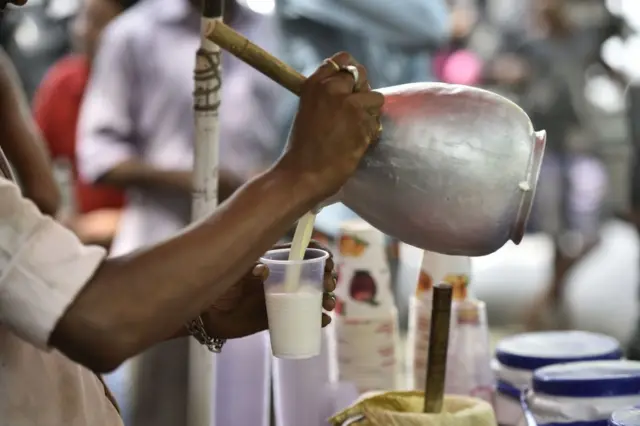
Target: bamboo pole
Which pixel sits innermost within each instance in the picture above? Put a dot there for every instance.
(438, 345)
(207, 81)
(255, 56)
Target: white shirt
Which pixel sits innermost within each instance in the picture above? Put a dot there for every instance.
(43, 266)
(125, 115)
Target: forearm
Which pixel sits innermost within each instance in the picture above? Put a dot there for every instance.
(21, 143)
(228, 184)
(152, 293)
(136, 173)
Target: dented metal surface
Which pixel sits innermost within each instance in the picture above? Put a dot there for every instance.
(455, 170)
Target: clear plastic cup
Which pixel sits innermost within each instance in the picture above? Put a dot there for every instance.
(295, 317)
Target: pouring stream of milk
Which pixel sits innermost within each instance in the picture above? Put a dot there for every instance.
(301, 239)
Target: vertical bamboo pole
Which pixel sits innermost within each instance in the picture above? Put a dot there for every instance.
(438, 347)
(207, 80)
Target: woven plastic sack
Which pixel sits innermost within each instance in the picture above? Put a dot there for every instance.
(405, 409)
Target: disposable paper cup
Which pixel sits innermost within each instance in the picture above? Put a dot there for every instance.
(295, 318)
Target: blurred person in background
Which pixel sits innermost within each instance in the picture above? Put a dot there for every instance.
(22, 144)
(544, 73)
(455, 62)
(396, 43)
(35, 37)
(95, 209)
(136, 133)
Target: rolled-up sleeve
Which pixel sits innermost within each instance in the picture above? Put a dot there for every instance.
(43, 267)
(106, 127)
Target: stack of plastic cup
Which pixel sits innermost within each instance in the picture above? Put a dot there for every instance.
(409, 261)
(364, 282)
(366, 352)
(435, 268)
(469, 356)
(298, 343)
(469, 360)
(244, 371)
(366, 323)
(299, 389)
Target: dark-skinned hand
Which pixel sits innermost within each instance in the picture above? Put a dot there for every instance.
(242, 311)
(337, 119)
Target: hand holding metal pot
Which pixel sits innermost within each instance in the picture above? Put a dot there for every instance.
(337, 119)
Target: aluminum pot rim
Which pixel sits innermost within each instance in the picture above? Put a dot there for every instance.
(528, 195)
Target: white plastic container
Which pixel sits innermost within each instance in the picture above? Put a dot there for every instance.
(625, 417)
(582, 393)
(518, 356)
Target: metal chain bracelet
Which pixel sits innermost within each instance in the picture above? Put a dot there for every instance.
(197, 330)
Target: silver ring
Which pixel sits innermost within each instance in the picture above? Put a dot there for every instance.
(331, 62)
(353, 70)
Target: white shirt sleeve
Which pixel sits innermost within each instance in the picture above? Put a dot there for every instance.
(106, 126)
(43, 267)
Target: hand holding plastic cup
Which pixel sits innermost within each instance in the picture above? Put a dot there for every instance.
(295, 312)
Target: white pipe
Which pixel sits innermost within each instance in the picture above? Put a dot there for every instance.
(207, 81)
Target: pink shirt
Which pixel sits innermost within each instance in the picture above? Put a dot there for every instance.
(43, 266)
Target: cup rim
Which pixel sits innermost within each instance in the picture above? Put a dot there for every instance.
(323, 257)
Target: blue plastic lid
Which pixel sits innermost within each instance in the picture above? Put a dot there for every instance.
(590, 379)
(530, 351)
(625, 417)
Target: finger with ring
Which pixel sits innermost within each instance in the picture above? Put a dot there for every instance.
(333, 63)
(353, 70)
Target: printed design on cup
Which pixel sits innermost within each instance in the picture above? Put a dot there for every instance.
(320, 237)
(387, 351)
(388, 363)
(340, 307)
(467, 313)
(425, 284)
(363, 288)
(485, 393)
(352, 246)
(393, 250)
(459, 282)
(385, 329)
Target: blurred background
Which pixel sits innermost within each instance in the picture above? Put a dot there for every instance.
(572, 65)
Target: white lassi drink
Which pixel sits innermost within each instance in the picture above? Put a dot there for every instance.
(295, 320)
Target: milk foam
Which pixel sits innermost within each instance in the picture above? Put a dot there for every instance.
(295, 321)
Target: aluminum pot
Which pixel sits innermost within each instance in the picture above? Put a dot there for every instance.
(454, 172)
